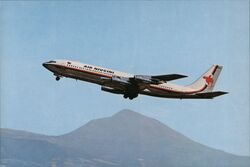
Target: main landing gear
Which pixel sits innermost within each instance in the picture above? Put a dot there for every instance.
(130, 96)
(131, 92)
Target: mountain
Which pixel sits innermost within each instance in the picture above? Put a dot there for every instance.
(127, 139)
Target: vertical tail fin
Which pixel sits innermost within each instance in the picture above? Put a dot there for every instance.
(209, 79)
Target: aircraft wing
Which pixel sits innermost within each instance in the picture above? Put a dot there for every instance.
(168, 77)
(154, 79)
(119, 85)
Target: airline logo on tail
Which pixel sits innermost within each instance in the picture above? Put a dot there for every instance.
(209, 80)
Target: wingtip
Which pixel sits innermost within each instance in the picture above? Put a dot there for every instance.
(184, 76)
(222, 93)
(181, 76)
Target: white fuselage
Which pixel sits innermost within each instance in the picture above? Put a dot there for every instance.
(95, 74)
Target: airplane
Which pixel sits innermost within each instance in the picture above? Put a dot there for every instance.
(130, 85)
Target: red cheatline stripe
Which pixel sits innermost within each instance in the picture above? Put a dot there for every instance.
(90, 72)
(176, 91)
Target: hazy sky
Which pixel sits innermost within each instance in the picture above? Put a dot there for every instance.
(137, 37)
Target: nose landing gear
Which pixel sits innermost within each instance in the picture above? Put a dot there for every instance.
(57, 78)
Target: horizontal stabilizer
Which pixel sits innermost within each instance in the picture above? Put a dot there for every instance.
(168, 77)
(210, 95)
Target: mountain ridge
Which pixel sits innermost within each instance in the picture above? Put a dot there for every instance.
(127, 138)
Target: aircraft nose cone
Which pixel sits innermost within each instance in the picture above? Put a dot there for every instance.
(45, 65)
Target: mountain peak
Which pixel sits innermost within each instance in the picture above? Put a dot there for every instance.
(126, 113)
(127, 138)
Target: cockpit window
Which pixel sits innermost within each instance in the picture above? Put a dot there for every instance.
(69, 62)
(52, 61)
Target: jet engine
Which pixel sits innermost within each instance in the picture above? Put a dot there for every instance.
(117, 79)
(111, 90)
